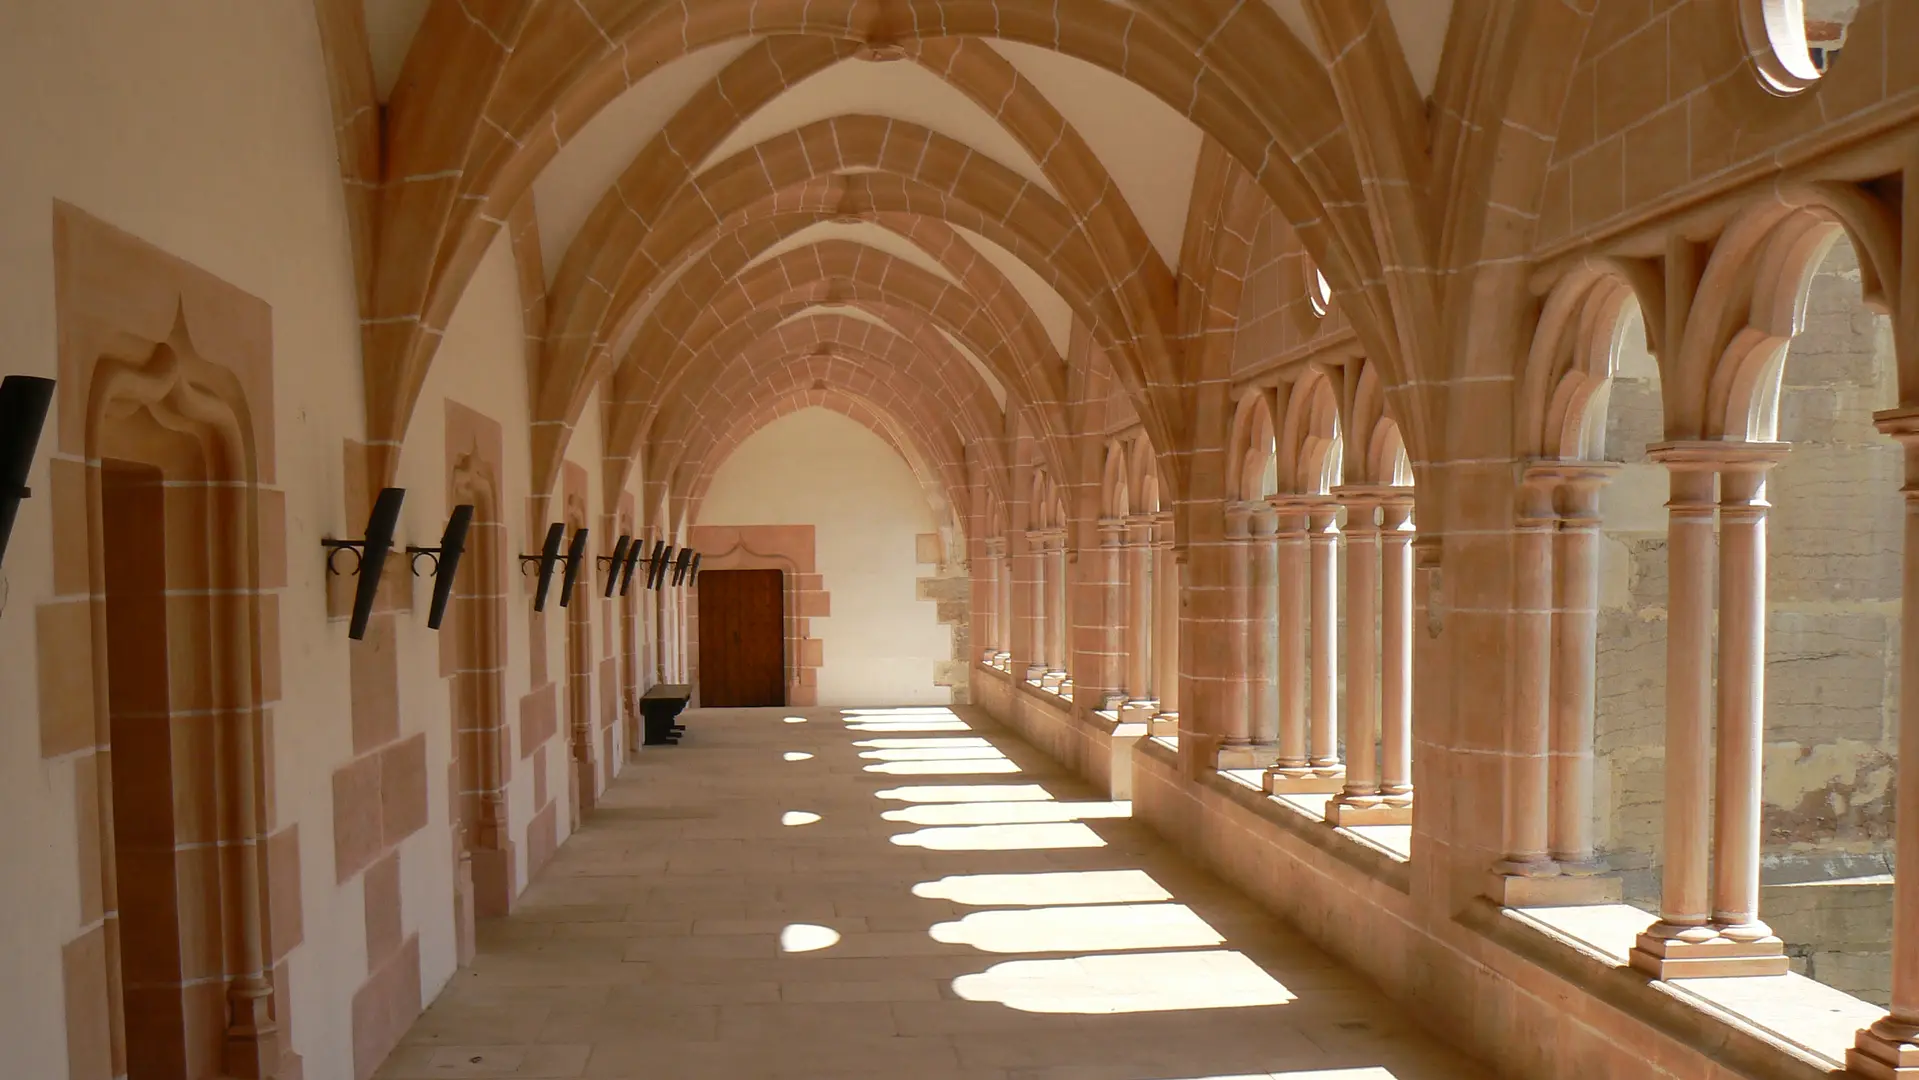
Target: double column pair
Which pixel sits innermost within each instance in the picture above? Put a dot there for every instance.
(1710, 926)
(1049, 605)
(1138, 555)
(1374, 786)
(999, 589)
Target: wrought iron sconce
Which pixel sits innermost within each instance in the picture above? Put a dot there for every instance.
(632, 560)
(693, 572)
(446, 561)
(550, 558)
(24, 401)
(680, 566)
(656, 573)
(614, 563)
(371, 553)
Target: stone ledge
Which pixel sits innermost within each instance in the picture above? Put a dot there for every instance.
(1362, 856)
(1805, 1034)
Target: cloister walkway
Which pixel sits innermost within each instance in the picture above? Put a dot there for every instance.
(913, 894)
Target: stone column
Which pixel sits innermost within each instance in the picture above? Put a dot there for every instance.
(1031, 648)
(1575, 662)
(1165, 625)
(994, 565)
(1742, 702)
(1358, 802)
(1233, 726)
(1004, 601)
(1262, 633)
(1689, 940)
(1115, 629)
(1523, 820)
(1890, 1047)
(1396, 654)
(1322, 534)
(1294, 597)
(1139, 617)
(1056, 606)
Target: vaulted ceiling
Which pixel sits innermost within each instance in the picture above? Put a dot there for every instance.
(937, 226)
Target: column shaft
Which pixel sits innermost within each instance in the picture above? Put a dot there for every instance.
(1139, 616)
(1528, 731)
(1166, 617)
(1232, 726)
(1362, 654)
(1742, 701)
(1262, 631)
(1396, 656)
(1574, 670)
(1323, 536)
(1056, 606)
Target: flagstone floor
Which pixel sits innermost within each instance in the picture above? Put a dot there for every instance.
(912, 894)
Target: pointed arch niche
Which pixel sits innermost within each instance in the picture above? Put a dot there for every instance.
(159, 657)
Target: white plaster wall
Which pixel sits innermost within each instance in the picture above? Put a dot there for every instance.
(816, 467)
(481, 365)
(128, 110)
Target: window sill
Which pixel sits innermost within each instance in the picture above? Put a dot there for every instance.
(1753, 1019)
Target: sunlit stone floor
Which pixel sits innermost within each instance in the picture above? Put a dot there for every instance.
(891, 894)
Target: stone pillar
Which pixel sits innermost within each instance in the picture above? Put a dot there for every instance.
(1575, 663)
(1689, 940)
(994, 568)
(1165, 625)
(1294, 597)
(1523, 820)
(1139, 616)
(1322, 752)
(1233, 723)
(1003, 640)
(1396, 654)
(1029, 648)
(1742, 702)
(1358, 802)
(1890, 1047)
(1056, 606)
(1262, 633)
(1114, 630)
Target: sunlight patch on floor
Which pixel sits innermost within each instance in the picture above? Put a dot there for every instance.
(798, 755)
(903, 710)
(795, 719)
(1127, 983)
(958, 793)
(964, 767)
(1035, 890)
(798, 817)
(805, 937)
(1040, 837)
(954, 724)
(1110, 928)
(1007, 813)
(934, 753)
(910, 744)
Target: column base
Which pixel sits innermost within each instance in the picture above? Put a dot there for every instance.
(1164, 726)
(493, 871)
(1247, 755)
(1035, 673)
(1050, 680)
(1138, 712)
(1665, 957)
(1300, 781)
(1877, 1057)
(1370, 812)
(1552, 890)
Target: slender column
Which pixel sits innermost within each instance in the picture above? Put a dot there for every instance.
(1742, 697)
(1890, 1047)
(1293, 598)
(1262, 631)
(1576, 640)
(1166, 620)
(1233, 726)
(1524, 810)
(1115, 629)
(1139, 612)
(1056, 604)
(1004, 601)
(1322, 530)
(1034, 642)
(1396, 654)
(1689, 938)
(1358, 803)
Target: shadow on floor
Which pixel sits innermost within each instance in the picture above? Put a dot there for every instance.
(909, 893)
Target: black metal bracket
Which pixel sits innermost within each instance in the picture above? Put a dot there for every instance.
(414, 554)
(357, 547)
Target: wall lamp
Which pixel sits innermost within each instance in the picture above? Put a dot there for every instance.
(446, 561)
(656, 573)
(550, 558)
(371, 553)
(24, 401)
(615, 563)
(681, 565)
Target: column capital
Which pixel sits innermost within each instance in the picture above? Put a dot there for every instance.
(1576, 487)
(1239, 518)
(995, 547)
(1112, 531)
(1717, 455)
(1901, 424)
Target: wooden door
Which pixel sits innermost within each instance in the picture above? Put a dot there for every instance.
(742, 638)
